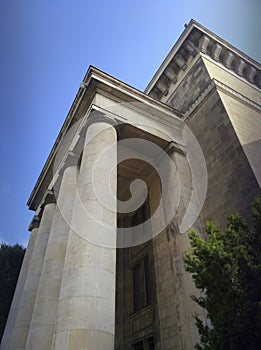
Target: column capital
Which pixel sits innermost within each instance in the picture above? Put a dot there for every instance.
(99, 117)
(119, 129)
(173, 146)
(49, 198)
(96, 116)
(72, 159)
(35, 223)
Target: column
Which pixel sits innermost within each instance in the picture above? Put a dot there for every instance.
(45, 309)
(178, 242)
(86, 311)
(20, 285)
(26, 306)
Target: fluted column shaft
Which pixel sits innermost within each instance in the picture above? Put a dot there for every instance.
(86, 313)
(45, 310)
(26, 305)
(20, 285)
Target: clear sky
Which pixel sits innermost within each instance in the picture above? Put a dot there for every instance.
(45, 50)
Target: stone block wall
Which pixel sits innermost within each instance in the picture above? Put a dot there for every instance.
(190, 88)
(232, 185)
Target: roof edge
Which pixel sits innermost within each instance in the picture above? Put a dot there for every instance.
(86, 86)
(197, 39)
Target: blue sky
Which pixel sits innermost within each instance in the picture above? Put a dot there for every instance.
(45, 50)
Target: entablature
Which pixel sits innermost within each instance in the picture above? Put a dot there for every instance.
(103, 93)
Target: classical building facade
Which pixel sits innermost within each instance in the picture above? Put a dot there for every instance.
(129, 174)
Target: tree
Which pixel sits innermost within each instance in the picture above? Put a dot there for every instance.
(227, 270)
(11, 258)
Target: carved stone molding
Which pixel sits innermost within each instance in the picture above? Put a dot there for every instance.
(99, 117)
(231, 59)
(35, 223)
(49, 198)
(171, 147)
(119, 129)
(162, 87)
(200, 41)
(171, 75)
(216, 51)
(216, 83)
(72, 159)
(175, 147)
(200, 98)
(190, 47)
(251, 74)
(237, 94)
(228, 59)
(204, 43)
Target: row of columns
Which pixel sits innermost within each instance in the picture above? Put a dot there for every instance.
(9, 328)
(65, 295)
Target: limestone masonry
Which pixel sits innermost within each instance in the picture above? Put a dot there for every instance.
(129, 174)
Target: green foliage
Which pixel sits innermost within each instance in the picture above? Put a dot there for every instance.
(11, 258)
(227, 271)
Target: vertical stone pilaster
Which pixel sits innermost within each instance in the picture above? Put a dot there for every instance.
(184, 333)
(24, 314)
(20, 285)
(45, 310)
(167, 317)
(86, 310)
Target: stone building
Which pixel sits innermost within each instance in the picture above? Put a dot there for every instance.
(104, 264)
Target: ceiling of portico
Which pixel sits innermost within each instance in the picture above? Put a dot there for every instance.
(126, 131)
(139, 163)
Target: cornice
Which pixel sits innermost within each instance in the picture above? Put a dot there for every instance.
(197, 40)
(218, 85)
(102, 78)
(225, 88)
